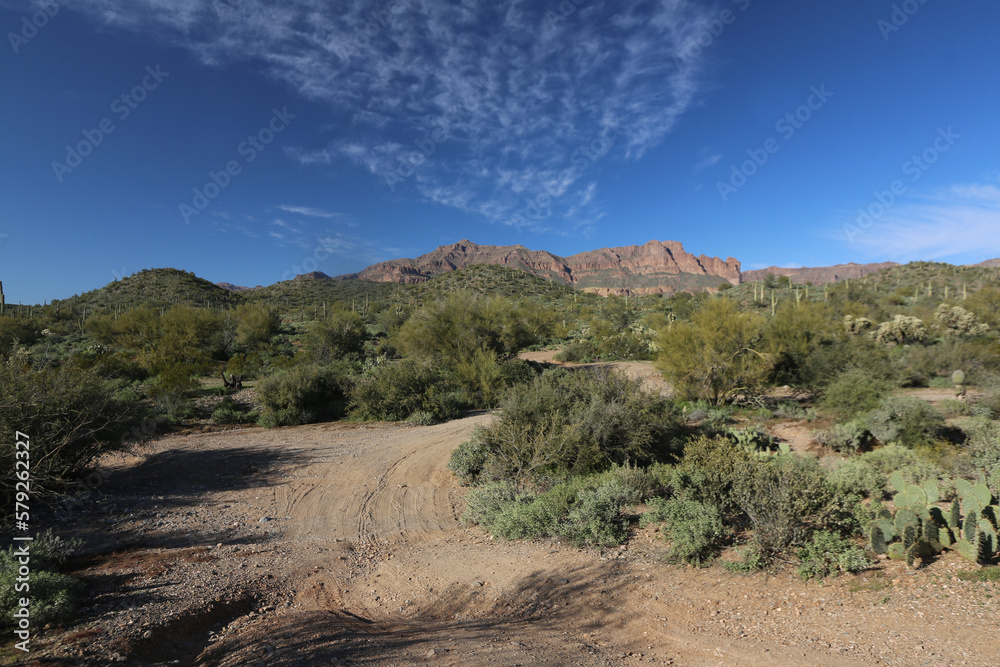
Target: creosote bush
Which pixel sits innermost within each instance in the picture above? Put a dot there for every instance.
(397, 390)
(570, 422)
(71, 415)
(303, 395)
(854, 392)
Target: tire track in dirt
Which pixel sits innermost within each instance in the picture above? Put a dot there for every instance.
(363, 486)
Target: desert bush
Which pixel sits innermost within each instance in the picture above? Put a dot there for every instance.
(784, 497)
(850, 437)
(228, 412)
(858, 477)
(485, 503)
(695, 529)
(454, 329)
(595, 519)
(577, 352)
(396, 390)
(984, 452)
(708, 472)
(303, 395)
(833, 358)
(904, 420)
(716, 355)
(15, 328)
(978, 359)
(484, 377)
(71, 415)
(110, 365)
(854, 392)
(828, 554)
(584, 510)
(256, 326)
(338, 336)
(793, 335)
(54, 596)
(576, 422)
(468, 459)
(913, 467)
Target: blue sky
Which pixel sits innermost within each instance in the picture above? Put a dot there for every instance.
(248, 141)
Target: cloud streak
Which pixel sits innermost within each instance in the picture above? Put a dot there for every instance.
(960, 220)
(514, 92)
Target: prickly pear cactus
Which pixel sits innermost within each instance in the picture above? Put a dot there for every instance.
(909, 535)
(966, 550)
(896, 551)
(954, 515)
(877, 540)
(983, 495)
(984, 549)
(931, 491)
(969, 526)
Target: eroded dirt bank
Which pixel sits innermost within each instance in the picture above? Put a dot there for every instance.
(341, 544)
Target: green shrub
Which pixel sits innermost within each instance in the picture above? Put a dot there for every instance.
(595, 518)
(71, 415)
(783, 497)
(228, 412)
(914, 468)
(338, 336)
(577, 422)
(850, 437)
(452, 330)
(483, 377)
(708, 472)
(584, 510)
(54, 596)
(854, 392)
(827, 554)
(716, 355)
(396, 390)
(469, 458)
(834, 358)
(695, 529)
(485, 503)
(577, 352)
(984, 452)
(858, 477)
(907, 421)
(303, 395)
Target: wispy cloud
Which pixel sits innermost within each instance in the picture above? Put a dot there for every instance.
(707, 161)
(514, 93)
(960, 220)
(308, 211)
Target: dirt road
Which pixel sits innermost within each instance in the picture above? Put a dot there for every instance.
(341, 544)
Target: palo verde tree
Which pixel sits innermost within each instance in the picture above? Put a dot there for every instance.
(716, 355)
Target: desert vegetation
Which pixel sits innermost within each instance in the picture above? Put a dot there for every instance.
(580, 453)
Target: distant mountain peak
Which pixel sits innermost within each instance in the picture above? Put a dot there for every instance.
(312, 275)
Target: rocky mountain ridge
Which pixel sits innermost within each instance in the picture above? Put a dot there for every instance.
(654, 267)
